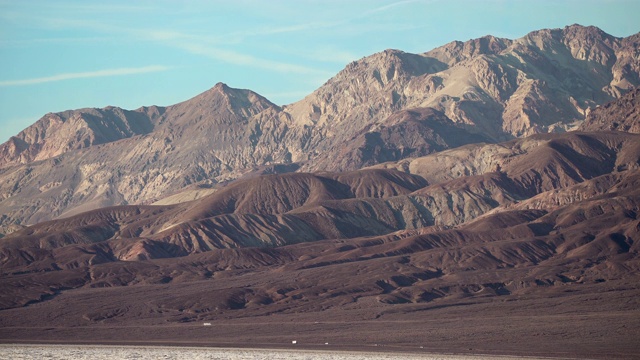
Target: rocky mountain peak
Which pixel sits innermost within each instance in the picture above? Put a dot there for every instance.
(387, 66)
(457, 51)
(584, 43)
(223, 103)
(365, 91)
(56, 133)
(591, 44)
(584, 32)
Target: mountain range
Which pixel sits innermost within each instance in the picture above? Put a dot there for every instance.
(488, 179)
(385, 107)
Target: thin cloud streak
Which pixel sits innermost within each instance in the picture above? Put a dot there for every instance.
(99, 8)
(273, 30)
(389, 6)
(88, 74)
(216, 46)
(194, 44)
(22, 42)
(233, 57)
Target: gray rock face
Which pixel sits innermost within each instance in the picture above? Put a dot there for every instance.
(622, 114)
(385, 107)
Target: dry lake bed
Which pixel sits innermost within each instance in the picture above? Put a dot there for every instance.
(99, 352)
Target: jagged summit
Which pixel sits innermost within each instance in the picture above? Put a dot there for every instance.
(585, 31)
(221, 105)
(223, 95)
(456, 51)
(56, 133)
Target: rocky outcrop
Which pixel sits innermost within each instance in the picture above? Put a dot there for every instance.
(56, 134)
(406, 133)
(498, 87)
(620, 115)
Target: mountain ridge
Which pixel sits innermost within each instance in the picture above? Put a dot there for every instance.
(374, 110)
(445, 189)
(377, 104)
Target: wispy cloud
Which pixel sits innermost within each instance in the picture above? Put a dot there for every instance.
(273, 30)
(88, 74)
(58, 40)
(226, 47)
(233, 57)
(325, 54)
(389, 6)
(208, 45)
(99, 8)
(212, 47)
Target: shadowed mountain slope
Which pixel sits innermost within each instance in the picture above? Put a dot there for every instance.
(620, 115)
(406, 133)
(276, 210)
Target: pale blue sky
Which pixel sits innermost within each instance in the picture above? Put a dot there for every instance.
(59, 55)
